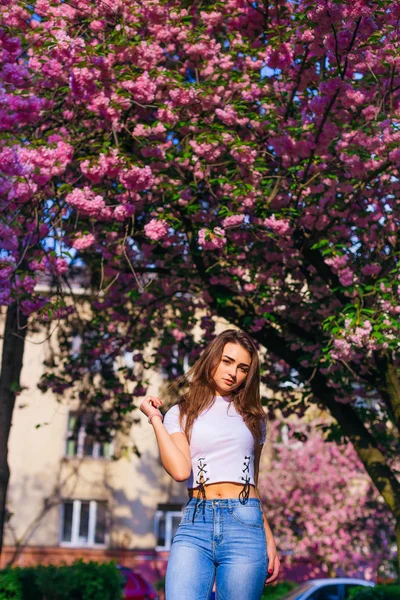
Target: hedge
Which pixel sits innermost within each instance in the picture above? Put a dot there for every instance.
(275, 592)
(80, 581)
(379, 592)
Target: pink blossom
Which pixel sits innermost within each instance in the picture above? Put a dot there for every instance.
(55, 265)
(156, 229)
(178, 334)
(232, 221)
(370, 112)
(279, 226)
(372, 269)
(10, 163)
(346, 277)
(337, 262)
(143, 88)
(244, 155)
(137, 179)
(97, 25)
(249, 287)
(182, 97)
(209, 151)
(84, 241)
(123, 211)
(166, 115)
(84, 201)
(108, 165)
(229, 116)
(211, 240)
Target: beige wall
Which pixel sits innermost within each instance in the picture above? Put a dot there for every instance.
(41, 476)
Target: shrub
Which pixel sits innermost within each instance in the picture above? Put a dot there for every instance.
(80, 581)
(10, 585)
(379, 592)
(275, 592)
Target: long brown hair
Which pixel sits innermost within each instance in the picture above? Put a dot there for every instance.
(201, 386)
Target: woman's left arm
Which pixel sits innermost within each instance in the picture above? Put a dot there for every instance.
(273, 558)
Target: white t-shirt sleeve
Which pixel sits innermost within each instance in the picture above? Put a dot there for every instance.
(171, 420)
(263, 431)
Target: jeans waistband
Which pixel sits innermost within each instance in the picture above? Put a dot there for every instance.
(224, 502)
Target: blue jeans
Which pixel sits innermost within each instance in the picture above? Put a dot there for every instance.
(220, 540)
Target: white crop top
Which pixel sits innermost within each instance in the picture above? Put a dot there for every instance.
(221, 446)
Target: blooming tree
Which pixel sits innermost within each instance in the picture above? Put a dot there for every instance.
(326, 513)
(231, 158)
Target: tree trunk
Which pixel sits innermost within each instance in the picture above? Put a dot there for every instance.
(11, 366)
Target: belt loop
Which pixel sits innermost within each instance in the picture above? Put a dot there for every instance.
(230, 505)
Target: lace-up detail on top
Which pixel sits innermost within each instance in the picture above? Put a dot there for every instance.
(244, 494)
(201, 480)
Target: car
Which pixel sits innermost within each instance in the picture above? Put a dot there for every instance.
(325, 589)
(135, 587)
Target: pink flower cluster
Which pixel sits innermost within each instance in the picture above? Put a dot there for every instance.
(232, 221)
(107, 165)
(212, 240)
(354, 339)
(86, 202)
(84, 241)
(142, 130)
(339, 265)
(123, 211)
(47, 161)
(156, 229)
(143, 88)
(178, 334)
(137, 179)
(229, 116)
(83, 82)
(57, 266)
(7, 268)
(209, 151)
(278, 226)
(372, 269)
(11, 163)
(182, 97)
(244, 155)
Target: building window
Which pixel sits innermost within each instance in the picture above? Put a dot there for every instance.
(79, 440)
(83, 523)
(166, 521)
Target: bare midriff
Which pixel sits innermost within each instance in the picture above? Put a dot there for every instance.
(223, 489)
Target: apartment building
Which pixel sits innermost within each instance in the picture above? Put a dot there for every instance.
(79, 498)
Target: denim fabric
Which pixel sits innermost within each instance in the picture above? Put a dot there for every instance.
(222, 540)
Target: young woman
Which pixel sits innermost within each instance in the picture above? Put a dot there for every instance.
(213, 438)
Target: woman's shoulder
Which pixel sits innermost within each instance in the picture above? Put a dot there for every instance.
(174, 410)
(172, 420)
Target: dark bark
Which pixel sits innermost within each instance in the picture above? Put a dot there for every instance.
(11, 366)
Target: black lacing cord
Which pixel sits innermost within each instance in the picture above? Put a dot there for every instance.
(200, 481)
(244, 494)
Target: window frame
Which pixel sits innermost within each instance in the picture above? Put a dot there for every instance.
(169, 515)
(80, 442)
(76, 520)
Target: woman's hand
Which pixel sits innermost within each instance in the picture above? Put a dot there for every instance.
(150, 406)
(273, 564)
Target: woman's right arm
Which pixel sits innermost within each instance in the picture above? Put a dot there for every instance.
(174, 451)
(174, 447)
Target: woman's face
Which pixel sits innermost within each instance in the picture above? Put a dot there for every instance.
(232, 369)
